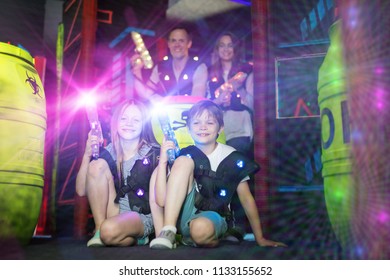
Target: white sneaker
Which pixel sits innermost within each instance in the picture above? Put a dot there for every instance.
(95, 241)
(165, 240)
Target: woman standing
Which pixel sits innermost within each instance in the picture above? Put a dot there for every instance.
(234, 95)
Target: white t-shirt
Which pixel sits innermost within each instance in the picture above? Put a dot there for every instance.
(219, 154)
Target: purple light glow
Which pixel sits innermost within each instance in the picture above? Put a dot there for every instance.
(379, 70)
(140, 192)
(379, 92)
(359, 251)
(353, 16)
(383, 217)
(356, 135)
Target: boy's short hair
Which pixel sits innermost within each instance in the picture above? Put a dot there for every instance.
(209, 106)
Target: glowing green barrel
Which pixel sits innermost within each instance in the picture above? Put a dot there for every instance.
(336, 146)
(22, 134)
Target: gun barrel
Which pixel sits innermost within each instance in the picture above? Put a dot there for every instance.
(142, 50)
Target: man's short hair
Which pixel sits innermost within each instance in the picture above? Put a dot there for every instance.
(181, 27)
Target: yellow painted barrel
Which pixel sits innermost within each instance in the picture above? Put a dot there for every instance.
(336, 139)
(177, 107)
(22, 134)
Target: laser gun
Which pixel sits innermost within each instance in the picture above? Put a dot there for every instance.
(96, 129)
(169, 135)
(238, 78)
(142, 50)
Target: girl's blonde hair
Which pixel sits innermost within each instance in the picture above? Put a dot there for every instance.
(146, 136)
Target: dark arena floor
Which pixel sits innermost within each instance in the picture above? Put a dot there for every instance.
(69, 249)
(303, 225)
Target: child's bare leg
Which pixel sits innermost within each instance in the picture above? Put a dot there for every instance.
(203, 232)
(122, 229)
(157, 211)
(101, 192)
(179, 185)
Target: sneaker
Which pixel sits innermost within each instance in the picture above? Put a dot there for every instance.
(165, 240)
(95, 241)
(143, 241)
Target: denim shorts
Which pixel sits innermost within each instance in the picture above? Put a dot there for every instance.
(189, 213)
(147, 220)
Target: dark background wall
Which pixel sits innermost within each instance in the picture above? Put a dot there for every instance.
(22, 22)
(33, 25)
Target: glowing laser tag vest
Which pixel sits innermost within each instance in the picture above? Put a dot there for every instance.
(216, 189)
(137, 184)
(168, 80)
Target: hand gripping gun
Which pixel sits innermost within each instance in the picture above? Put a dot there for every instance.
(169, 134)
(96, 129)
(238, 78)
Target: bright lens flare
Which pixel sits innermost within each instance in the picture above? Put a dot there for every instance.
(87, 99)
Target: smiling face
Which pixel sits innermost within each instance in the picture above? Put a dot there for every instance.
(130, 123)
(225, 48)
(179, 43)
(204, 128)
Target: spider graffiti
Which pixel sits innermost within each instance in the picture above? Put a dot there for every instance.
(33, 84)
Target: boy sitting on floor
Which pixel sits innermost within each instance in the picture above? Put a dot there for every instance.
(200, 186)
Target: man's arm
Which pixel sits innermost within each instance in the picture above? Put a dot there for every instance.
(200, 81)
(145, 91)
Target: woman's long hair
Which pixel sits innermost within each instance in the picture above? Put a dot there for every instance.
(146, 136)
(216, 66)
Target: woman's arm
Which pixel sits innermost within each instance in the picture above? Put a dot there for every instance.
(246, 92)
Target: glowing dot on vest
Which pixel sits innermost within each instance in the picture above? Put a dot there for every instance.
(238, 96)
(165, 57)
(359, 251)
(166, 78)
(188, 155)
(140, 192)
(240, 163)
(145, 161)
(222, 192)
(214, 79)
(196, 58)
(185, 77)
